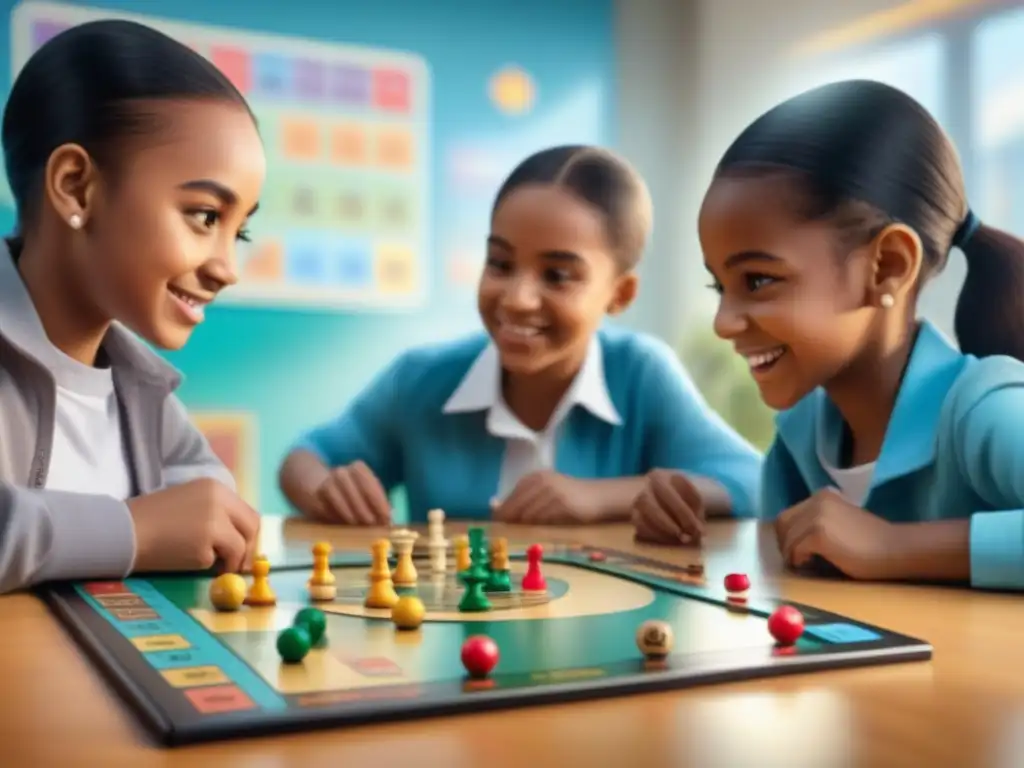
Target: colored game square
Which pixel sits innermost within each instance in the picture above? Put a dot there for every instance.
(134, 614)
(44, 31)
(107, 588)
(349, 85)
(842, 633)
(392, 90)
(120, 601)
(301, 138)
(266, 264)
(173, 659)
(190, 677)
(395, 149)
(353, 264)
(235, 64)
(309, 79)
(349, 144)
(307, 262)
(219, 698)
(349, 206)
(395, 269)
(394, 210)
(272, 74)
(160, 643)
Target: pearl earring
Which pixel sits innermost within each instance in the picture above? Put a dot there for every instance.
(75, 221)
(887, 300)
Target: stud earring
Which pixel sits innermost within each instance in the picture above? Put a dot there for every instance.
(887, 301)
(75, 221)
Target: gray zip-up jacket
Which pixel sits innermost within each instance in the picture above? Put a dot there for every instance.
(50, 535)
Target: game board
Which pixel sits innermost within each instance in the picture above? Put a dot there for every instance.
(345, 220)
(196, 674)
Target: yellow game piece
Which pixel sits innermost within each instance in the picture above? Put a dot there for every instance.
(227, 592)
(381, 593)
(408, 612)
(321, 584)
(405, 574)
(462, 558)
(260, 593)
(499, 555)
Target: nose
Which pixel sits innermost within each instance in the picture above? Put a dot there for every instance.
(221, 271)
(730, 319)
(521, 294)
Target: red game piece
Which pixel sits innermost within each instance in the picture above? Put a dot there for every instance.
(737, 582)
(598, 557)
(479, 655)
(786, 625)
(533, 579)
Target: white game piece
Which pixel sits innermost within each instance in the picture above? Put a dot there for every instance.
(438, 556)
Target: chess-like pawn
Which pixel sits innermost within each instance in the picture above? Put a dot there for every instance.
(435, 525)
(260, 592)
(533, 579)
(381, 593)
(405, 574)
(462, 556)
(475, 578)
(498, 580)
(438, 556)
(322, 584)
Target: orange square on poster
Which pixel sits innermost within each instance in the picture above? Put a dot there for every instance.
(232, 438)
(300, 138)
(349, 144)
(395, 149)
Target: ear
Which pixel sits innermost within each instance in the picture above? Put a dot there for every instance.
(896, 263)
(71, 181)
(626, 288)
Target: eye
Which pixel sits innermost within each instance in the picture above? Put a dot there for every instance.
(499, 264)
(717, 287)
(557, 275)
(754, 281)
(205, 217)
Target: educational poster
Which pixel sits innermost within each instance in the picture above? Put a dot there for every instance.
(344, 223)
(232, 437)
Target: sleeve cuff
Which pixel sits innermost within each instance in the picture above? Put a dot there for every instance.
(997, 550)
(93, 537)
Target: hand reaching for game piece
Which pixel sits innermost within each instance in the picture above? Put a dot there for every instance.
(549, 498)
(352, 495)
(193, 526)
(669, 509)
(853, 540)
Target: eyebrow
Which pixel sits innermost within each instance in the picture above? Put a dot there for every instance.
(226, 195)
(744, 257)
(566, 257)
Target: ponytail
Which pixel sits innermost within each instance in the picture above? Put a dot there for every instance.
(989, 316)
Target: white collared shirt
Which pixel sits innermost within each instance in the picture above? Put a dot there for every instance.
(527, 450)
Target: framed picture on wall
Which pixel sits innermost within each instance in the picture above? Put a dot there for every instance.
(233, 438)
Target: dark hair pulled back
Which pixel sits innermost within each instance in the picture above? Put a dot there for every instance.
(865, 155)
(601, 179)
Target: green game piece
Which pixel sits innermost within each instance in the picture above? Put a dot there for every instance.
(314, 621)
(499, 581)
(293, 644)
(474, 599)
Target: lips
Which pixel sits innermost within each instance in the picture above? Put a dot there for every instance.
(192, 306)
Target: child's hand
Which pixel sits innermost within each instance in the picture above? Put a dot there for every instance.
(669, 510)
(192, 526)
(549, 498)
(352, 495)
(853, 540)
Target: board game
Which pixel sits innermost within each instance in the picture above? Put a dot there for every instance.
(344, 222)
(593, 623)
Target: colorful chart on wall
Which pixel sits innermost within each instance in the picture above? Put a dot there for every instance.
(344, 220)
(232, 437)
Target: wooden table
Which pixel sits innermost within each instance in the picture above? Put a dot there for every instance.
(965, 708)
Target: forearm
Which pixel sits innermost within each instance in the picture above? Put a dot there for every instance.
(301, 474)
(934, 551)
(717, 502)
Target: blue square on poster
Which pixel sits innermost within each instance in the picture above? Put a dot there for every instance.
(272, 75)
(307, 262)
(353, 263)
(842, 633)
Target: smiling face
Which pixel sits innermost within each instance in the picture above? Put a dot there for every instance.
(793, 299)
(551, 276)
(160, 232)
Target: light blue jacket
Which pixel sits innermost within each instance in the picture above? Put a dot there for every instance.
(954, 449)
(397, 425)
